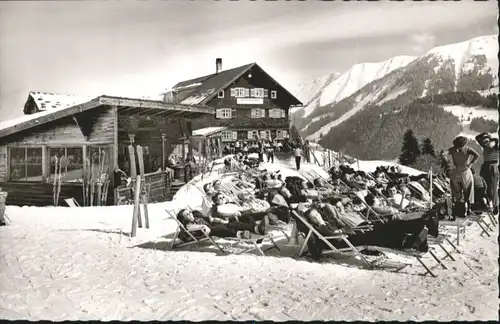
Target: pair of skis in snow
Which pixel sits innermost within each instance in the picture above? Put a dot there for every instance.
(56, 190)
(95, 186)
(141, 191)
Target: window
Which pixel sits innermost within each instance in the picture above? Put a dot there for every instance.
(273, 94)
(280, 134)
(252, 135)
(277, 113)
(69, 163)
(25, 164)
(227, 136)
(240, 92)
(257, 92)
(257, 113)
(220, 94)
(223, 113)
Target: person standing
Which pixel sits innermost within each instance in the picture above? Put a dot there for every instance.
(489, 168)
(298, 155)
(261, 150)
(462, 180)
(270, 153)
(3, 199)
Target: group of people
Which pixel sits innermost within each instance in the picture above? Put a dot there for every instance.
(350, 202)
(466, 186)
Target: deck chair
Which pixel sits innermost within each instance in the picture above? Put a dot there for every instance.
(230, 187)
(172, 213)
(361, 194)
(351, 250)
(71, 202)
(255, 243)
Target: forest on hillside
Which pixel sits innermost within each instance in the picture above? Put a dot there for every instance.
(377, 132)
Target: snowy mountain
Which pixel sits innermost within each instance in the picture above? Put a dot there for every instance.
(337, 86)
(467, 66)
(310, 92)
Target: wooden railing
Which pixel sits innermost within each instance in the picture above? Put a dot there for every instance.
(159, 183)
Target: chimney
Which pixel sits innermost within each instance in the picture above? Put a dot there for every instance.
(218, 65)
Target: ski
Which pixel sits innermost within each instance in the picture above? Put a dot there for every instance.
(133, 175)
(54, 188)
(144, 191)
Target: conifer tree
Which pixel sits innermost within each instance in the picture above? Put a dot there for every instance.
(410, 150)
(428, 148)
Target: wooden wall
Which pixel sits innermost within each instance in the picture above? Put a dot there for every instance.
(242, 113)
(66, 130)
(3, 163)
(41, 194)
(97, 123)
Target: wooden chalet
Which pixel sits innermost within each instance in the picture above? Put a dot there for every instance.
(247, 100)
(80, 129)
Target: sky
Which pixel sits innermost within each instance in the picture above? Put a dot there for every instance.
(141, 48)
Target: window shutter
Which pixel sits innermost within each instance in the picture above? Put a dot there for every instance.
(284, 134)
(233, 113)
(263, 113)
(247, 92)
(262, 134)
(266, 93)
(283, 113)
(217, 113)
(249, 135)
(235, 136)
(252, 92)
(233, 92)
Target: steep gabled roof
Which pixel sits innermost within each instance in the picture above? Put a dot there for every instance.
(205, 88)
(46, 101)
(208, 86)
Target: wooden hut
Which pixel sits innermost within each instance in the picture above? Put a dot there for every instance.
(97, 130)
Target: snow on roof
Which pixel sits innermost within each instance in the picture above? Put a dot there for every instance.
(46, 100)
(198, 97)
(191, 85)
(208, 131)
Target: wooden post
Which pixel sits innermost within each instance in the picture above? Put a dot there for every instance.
(183, 149)
(219, 147)
(163, 152)
(114, 160)
(45, 164)
(135, 217)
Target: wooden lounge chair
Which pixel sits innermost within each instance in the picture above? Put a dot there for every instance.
(71, 202)
(234, 191)
(206, 237)
(351, 250)
(255, 243)
(357, 250)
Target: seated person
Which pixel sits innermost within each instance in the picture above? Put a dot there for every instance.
(399, 201)
(243, 183)
(249, 202)
(349, 216)
(314, 217)
(307, 191)
(379, 207)
(197, 223)
(217, 187)
(230, 211)
(480, 192)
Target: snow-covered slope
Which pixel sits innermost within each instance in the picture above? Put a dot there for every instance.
(466, 66)
(336, 86)
(479, 54)
(310, 92)
(360, 75)
(465, 114)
